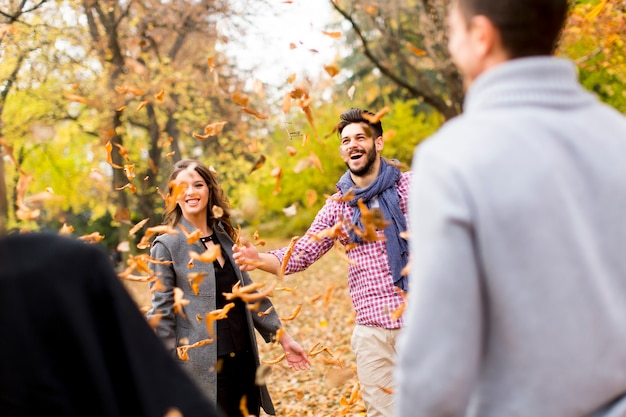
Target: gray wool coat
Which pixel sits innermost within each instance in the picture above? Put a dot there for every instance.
(176, 330)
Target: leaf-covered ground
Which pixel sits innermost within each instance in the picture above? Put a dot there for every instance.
(323, 327)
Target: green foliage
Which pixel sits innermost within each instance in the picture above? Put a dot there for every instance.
(407, 122)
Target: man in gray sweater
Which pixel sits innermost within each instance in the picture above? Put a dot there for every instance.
(517, 216)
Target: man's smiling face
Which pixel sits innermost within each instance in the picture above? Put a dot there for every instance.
(359, 150)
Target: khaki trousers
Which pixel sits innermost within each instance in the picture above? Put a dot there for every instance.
(375, 351)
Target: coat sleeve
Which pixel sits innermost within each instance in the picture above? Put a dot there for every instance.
(163, 295)
(440, 347)
(268, 324)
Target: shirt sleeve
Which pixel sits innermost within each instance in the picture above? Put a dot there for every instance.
(440, 347)
(310, 248)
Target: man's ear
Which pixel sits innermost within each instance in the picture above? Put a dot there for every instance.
(486, 39)
(379, 142)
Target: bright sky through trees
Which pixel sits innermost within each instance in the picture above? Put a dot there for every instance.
(267, 48)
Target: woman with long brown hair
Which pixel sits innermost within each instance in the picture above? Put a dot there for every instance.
(224, 360)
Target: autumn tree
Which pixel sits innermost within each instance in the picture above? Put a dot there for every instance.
(10, 18)
(401, 45)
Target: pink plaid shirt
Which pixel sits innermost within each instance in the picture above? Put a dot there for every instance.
(369, 279)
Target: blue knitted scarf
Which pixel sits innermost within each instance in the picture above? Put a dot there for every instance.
(383, 188)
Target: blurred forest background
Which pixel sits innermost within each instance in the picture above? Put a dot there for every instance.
(98, 98)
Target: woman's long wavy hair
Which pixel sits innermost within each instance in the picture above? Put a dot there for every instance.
(216, 198)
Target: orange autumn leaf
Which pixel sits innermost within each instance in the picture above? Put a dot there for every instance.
(77, 98)
(414, 49)
(132, 90)
(208, 256)
(217, 212)
(254, 113)
(122, 215)
(240, 98)
(219, 314)
(288, 253)
(211, 62)
(371, 9)
(286, 106)
(334, 35)
(159, 95)
(109, 147)
(376, 117)
(317, 163)
(388, 135)
(258, 164)
(253, 146)
(142, 105)
(195, 279)
(294, 313)
(331, 69)
(213, 129)
(94, 237)
(137, 227)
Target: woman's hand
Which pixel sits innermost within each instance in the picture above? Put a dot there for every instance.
(296, 356)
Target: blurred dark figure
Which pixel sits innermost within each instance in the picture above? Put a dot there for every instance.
(74, 343)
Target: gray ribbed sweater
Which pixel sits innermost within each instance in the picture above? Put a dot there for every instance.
(517, 299)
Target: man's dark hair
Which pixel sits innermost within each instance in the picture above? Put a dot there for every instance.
(527, 27)
(355, 115)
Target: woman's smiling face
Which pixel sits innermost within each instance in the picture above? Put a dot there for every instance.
(194, 200)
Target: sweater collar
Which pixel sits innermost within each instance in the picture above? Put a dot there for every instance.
(542, 81)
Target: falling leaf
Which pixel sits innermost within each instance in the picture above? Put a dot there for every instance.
(159, 95)
(262, 373)
(310, 198)
(292, 210)
(331, 70)
(291, 151)
(77, 98)
(417, 51)
(388, 135)
(122, 215)
(208, 256)
(294, 313)
(371, 9)
(94, 237)
(334, 35)
(240, 98)
(315, 160)
(132, 90)
(376, 117)
(214, 128)
(195, 279)
(253, 147)
(219, 314)
(258, 164)
(179, 301)
(274, 361)
(182, 351)
(351, 91)
(66, 230)
(217, 212)
(291, 79)
(288, 253)
(255, 113)
(211, 63)
(142, 105)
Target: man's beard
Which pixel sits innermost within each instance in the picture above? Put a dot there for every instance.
(365, 169)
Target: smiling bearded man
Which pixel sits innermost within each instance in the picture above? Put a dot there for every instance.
(378, 253)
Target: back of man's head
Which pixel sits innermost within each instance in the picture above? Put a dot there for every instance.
(527, 27)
